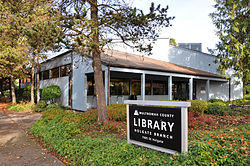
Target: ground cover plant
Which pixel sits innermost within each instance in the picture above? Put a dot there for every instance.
(79, 140)
(21, 107)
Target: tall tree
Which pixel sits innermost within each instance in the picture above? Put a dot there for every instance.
(41, 32)
(232, 18)
(90, 25)
(12, 43)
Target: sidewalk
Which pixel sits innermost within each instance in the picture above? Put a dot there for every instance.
(16, 147)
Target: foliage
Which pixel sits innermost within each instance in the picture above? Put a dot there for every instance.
(51, 92)
(7, 93)
(22, 107)
(215, 100)
(247, 89)
(91, 25)
(117, 112)
(240, 111)
(231, 18)
(40, 106)
(198, 106)
(240, 102)
(247, 97)
(41, 33)
(4, 99)
(172, 42)
(217, 109)
(54, 105)
(194, 121)
(26, 92)
(67, 133)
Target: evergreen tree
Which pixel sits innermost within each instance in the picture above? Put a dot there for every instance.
(232, 18)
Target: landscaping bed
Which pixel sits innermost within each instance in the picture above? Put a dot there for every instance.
(77, 139)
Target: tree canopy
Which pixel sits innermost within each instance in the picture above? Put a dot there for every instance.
(28, 28)
(89, 25)
(231, 18)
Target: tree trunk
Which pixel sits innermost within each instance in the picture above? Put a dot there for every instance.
(32, 96)
(99, 85)
(37, 86)
(12, 89)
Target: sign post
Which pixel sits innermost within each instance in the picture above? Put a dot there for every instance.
(158, 125)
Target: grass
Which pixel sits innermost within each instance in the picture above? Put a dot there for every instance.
(79, 140)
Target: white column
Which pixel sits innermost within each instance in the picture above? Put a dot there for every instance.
(191, 89)
(207, 89)
(170, 88)
(143, 86)
(106, 85)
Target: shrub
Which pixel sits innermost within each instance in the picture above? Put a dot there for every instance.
(26, 92)
(198, 107)
(4, 99)
(7, 93)
(215, 100)
(247, 97)
(239, 111)
(51, 92)
(40, 106)
(54, 105)
(240, 102)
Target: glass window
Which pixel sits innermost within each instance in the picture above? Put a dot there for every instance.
(65, 70)
(148, 87)
(45, 74)
(119, 87)
(90, 86)
(136, 87)
(55, 72)
(40, 75)
(160, 88)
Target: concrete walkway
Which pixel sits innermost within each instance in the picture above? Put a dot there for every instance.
(16, 147)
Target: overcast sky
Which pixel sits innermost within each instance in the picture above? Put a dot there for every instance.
(191, 24)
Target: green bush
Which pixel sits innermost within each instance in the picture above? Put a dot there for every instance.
(7, 93)
(198, 106)
(247, 97)
(215, 100)
(51, 92)
(27, 92)
(240, 102)
(40, 106)
(218, 109)
(54, 105)
(240, 111)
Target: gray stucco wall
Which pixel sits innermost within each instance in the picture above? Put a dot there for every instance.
(81, 66)
(56, 62)
(193, 59)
